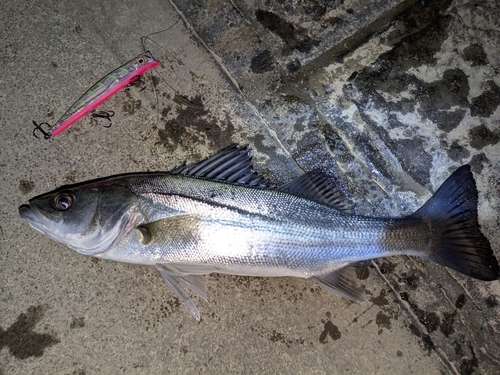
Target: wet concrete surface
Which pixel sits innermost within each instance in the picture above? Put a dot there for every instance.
(390, 96)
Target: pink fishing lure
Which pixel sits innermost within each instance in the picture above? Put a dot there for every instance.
(102, 91)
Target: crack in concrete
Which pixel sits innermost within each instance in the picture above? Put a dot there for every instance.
(441, 354)
(235, 84)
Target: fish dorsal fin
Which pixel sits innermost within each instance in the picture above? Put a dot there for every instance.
(343, 282)
(322, 187)
(231, 164)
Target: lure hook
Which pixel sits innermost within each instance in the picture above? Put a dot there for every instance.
(104, 114)
(46, 135)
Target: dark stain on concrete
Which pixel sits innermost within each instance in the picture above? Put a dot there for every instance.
(414, 159)
(383, 321)
(331, 330)
(294, 65)
(446, 326)
(477, 162)
(77, 322)
(389, 72)
(387, 267)
(279, 337)
(386, 313)
(429, 319)
(294, 38)
(460, 302)
(425, 27)
(332, 22)
(410, 279)
(457, 152)
(194, 125)
(20, 338)
(492, 302)
(263, 62)
(475, 54)
(485, 104)
(481, 136)
(26, 186)
(130, 106)
(427, 342)
(380, 300)
(435, 99)
(468, 366)
(438, 97)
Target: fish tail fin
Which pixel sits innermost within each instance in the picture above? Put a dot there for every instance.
(459, 243)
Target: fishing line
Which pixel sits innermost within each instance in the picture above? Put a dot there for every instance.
(178, 97)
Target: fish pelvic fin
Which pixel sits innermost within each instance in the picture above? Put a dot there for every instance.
(194, 282)
(343, 282)
(459, 243)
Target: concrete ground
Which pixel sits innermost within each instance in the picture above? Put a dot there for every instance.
(391, 96)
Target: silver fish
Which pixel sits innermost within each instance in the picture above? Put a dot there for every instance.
(218, 215)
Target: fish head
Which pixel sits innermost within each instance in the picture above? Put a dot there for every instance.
(89, 218)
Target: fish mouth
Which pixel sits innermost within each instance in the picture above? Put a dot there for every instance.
(35, 217)
(27, 213)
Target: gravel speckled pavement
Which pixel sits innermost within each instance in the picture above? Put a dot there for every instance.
(391, 96)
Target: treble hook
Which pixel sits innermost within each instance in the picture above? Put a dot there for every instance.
(46, 135)
(134, 81)
(104, 114)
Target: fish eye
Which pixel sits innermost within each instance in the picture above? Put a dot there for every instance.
(63, 200)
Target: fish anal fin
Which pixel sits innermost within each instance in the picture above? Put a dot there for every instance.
(232, 164)
(343, 282)
(320, 186)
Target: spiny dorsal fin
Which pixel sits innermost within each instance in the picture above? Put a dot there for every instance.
(319, 186)
(231, 164)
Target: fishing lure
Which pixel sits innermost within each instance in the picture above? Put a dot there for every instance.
(100, 92)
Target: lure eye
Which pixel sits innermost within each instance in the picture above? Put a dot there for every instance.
(64, 200)
(141, 61)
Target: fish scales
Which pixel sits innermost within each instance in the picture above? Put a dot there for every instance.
(284, 222)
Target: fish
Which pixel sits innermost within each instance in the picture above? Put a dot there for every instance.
(219, 215)
(101, 91)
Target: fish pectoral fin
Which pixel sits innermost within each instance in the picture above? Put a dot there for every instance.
(343, 282)
(194, 282)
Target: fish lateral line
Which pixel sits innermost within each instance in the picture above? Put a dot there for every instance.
(101, 91)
